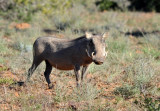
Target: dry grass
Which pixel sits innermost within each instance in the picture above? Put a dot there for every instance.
(129, 75)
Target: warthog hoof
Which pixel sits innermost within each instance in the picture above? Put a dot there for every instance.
(19, 83)
(50, 86)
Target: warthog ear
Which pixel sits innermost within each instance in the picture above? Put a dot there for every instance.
(105, 35)
(88, 35)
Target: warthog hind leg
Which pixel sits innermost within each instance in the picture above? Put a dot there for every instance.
(35, 63)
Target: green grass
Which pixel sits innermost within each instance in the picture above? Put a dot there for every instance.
(140, 74)
(3, 47)
(6, 81)
(126, 91)
(3, 68)
(151, 52)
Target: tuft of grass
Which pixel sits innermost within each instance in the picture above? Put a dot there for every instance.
(30, 101)
(140, 73)
(152, 40)
(3, 68)
(3, 48)
(22, 47)
(60, 94)
(87, 92)
(116, 46)
(6, 81)
(151, 52)
(126, 91)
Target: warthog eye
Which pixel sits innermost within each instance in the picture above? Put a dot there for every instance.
(91, 43)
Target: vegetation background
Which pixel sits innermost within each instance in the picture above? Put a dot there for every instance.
(129, 80)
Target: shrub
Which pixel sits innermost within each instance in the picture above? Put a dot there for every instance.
(151, 104)
(106, 5)
(148, 103)
(18, 9)
(25, 9)
(145, 5)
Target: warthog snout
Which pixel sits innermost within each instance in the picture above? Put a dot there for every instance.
(99, 60)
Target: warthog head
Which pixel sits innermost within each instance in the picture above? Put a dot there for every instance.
(96, 47)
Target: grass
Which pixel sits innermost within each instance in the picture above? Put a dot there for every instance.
(151, 52)
(3, 47)
(128, 77)
(126, 91)
(6, 81)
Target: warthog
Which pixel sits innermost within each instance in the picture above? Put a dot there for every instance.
(67, 54)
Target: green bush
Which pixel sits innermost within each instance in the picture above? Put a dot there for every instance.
(139, 5)
(145, 5)
(151, 104)
(106, 5)
(148, 103)
(19, 10)
(24, 10)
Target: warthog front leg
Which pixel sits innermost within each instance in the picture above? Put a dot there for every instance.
(77, 74)
(84, 70)
(47, 73)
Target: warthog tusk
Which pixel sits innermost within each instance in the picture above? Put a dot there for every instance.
(92, 54)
